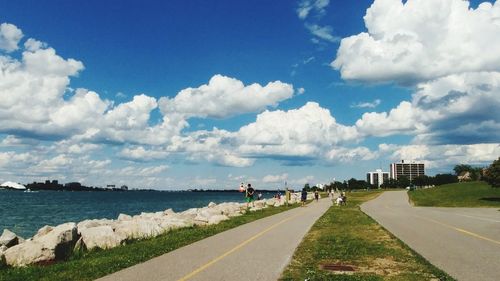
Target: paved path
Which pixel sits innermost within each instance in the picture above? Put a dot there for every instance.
(259, 250)
(464, 242)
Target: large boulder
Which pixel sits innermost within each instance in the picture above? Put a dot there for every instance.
(169, 212)
(172, 222)
(137, 229)
(215, 219)
(124, 217)
(43, 231)
(229, 209)
(102, 237)
(2, 255)
(93, 223)
(8, 238)
(55, 245)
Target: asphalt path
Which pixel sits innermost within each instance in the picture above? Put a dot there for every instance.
(464, 242)
(259, 250)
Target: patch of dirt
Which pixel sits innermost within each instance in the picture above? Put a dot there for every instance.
(382, 266)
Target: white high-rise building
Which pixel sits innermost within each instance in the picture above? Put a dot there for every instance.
(410, 170)
(377, 178)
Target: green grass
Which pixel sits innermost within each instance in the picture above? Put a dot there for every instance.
(95, 264)
(467, 194)
(345, 235)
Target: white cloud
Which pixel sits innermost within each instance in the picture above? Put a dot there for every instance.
(372, 104)
(299, 132)
(300, 91)
(11, 159)
(72, 147)
(421, 40)
(308, 6)
(446, 156)
(275, 178)
(140, 154)
(400, 120)
(347, 155)
(11, 140)
(217, 146)
(10, 36)
(33, 45)
(323, 32)
(457, 109)
(224, 97)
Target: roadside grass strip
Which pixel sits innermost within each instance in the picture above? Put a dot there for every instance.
(345, 236)
(467, 194)
(98, 263)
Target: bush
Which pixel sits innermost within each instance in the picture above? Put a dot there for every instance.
(492, 174)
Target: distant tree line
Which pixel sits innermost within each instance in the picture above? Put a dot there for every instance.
(490, 175)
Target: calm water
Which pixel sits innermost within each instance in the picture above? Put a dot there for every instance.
(26, 212)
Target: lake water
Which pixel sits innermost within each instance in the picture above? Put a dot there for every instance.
(26, 212)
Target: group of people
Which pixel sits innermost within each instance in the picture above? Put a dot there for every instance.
(250, 191)
(340, 200)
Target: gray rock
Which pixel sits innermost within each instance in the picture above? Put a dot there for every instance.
(215, 219)
(211, 204)
(55, 245)
(124, 217)
(92, 223)
(102, 237)
(8, 238)
(169, 212)
(137, 229)
(43, 231)
(175, 223)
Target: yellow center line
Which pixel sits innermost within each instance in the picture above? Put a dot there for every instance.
(207, 265)
(461, 230)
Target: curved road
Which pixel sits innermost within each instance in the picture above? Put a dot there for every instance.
(259, 250)
(464, 242)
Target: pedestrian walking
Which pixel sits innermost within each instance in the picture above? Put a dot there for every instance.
(249, 195)
(303, 197)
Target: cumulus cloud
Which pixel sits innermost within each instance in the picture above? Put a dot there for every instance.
(216, 146)
(141, 154)
(224, 97)
(372, 104)
(275, 178)
(421, 40)
(457, 109)
(10, 36)
(346, 155)
(298, 132)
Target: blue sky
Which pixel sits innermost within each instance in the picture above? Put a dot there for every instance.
(209, 94)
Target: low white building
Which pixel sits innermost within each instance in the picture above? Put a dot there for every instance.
(12, 185)
(377, 178)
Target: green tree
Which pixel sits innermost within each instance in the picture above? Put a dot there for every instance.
(462, 168)
(422, 181)
(441, 179)
(403, 181)
(307, 187)
(390, 183)
(492, 174)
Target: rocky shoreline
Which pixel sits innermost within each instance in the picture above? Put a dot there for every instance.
(59, 242)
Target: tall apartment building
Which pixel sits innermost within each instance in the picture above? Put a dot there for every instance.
(409, 169)
(377, 178)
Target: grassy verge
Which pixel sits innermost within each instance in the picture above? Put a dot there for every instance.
(467, 194)
(95, 264)
(345, 235)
